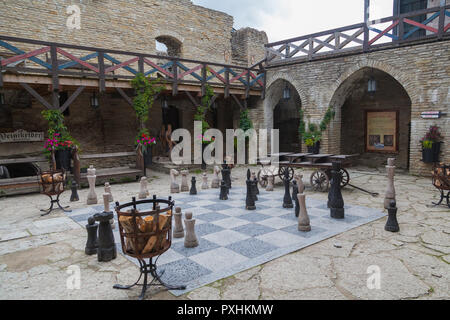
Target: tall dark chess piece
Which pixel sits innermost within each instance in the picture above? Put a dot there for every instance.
(335, 200)
(193, 190)
(91, 243)
(223, 191)
(106, 245)
(250, 200)
(294, 196)
(287, 200)
(254, 186)
(74, 196)
(226, 175)
(392, 223)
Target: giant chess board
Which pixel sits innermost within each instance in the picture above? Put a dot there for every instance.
(232, 239)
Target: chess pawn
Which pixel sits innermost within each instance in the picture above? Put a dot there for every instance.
(143, 193)
(295, 198)
(190, 240)
(178, 231)
(250, 199)
(300, 184)
(108, 191)
(303, 219)
(223, 191)
(91, 177)
(74, 196)
(107, 209)
(270, 182)
(205, 181)
(390, 192)
(174, 186)
(184, 181)
(193, 190)
(215, 184)
(91, 243)
(392, 223)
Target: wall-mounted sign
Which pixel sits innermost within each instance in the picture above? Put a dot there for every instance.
(381, 131)
(21, 136)
(432, 114)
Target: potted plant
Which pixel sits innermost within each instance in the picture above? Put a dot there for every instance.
(431, 145)
(313, 136)
(146, 142)
(59, 139)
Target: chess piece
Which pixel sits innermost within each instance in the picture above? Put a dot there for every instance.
(295, 198)
(303, 219)
(205, 181)
(91, 243)
(223, 191)
(250, 199)
(226, 175)
(91, 177)
(174, 186)
(215, 184)
(390, 192)
(392, 223)
(143, 193)
(270, 183)
(193, 190)
(178, 231)
(106, 209)
(108, 191)
(335, 200)
(190, 241)
(287, 200)
(74, 196)
(184, 181)
(300, 184)
(254, 186)
(106, 245)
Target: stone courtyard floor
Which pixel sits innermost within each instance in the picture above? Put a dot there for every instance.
(35, 251)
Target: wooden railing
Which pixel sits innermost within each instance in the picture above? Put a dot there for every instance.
(362, 37)
(58, 60)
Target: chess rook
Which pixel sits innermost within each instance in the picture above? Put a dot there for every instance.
(143, 192)
(190, 240)
(74, 196)
(91, 243)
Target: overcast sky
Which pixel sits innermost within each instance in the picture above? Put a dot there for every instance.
(283, 19)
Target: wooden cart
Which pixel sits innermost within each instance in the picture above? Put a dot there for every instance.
(322, 163)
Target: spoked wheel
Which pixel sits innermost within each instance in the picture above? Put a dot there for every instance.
(282, 170)
(263, 178)
(345, 177)
(319, 181)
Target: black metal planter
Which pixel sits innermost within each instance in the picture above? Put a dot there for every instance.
(432, 155)
(315, 149)
(148, 156)
(62, 158)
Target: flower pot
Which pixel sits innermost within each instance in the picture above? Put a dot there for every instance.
(315, 149)
(62, 158)
(148, 156)
(431, 155)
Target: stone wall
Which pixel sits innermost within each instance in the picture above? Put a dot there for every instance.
(422, 70)
(248, 46)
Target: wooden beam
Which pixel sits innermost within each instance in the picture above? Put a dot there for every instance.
(193, 100)
(71, 99)
(37, 96)
(125, 96)
(101, 73)
(55, 79)
(238, 102)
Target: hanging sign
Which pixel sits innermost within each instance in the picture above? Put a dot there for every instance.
(21, 136)
(432, 114)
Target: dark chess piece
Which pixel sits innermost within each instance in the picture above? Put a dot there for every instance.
(294, 196)
(254, 186)
(392, 223)
(250, 199)
(91, 243)
(287, 200)
(106, 245)
(74, 196)
(193, 190)
(335, 200)
(223, 191)
(226, 175)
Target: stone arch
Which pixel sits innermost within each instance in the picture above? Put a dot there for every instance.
(351, 100)
(173, 43)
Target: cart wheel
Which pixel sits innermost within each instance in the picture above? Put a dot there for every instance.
(319, 181)
(345, 178)
(282, 170)
(263, 179)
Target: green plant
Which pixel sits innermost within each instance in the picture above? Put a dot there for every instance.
(427, 144)
(314, 133)
(146, 90)
(201, 111)
(433, 135)
(59, 137)
(244, 121)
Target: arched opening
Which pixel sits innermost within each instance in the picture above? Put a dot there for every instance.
(375, 118)
(170, 46)
(284, 104)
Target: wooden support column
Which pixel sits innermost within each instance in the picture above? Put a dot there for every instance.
(175, 78)
(311, 48)
(441, 21)
(401, 30)
(242, 107)
(204, 74)
(141, 65)
(247, 86)
(55, 79)
(192, 99)
(227, 84)
(71, 99)
(125, 96)
(101, 69)
(366, 26)
(263, 92)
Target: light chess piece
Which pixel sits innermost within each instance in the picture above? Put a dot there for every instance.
(270, 183)
(143, 192)
(205, 181)
(107, 209)
(108, 191)
(174, 186)
(303, 218)
(190, 240)
(178, 231)
(215, 184)
(300, 184)
(91, 177)
(390, 192)
(184, 181)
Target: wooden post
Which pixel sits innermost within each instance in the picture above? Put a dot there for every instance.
(101, 69)
(53, 160)
(141, 65)
(204, 69)
(55, 80)
(366, 25)
(175, 78)
(247, 86)
(76, 165)
(401, 29)
(263, 93)
(441, 21)
(227, 84)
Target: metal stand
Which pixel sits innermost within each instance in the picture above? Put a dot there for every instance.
(149, 268)
(443, 196)
(52, 202)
